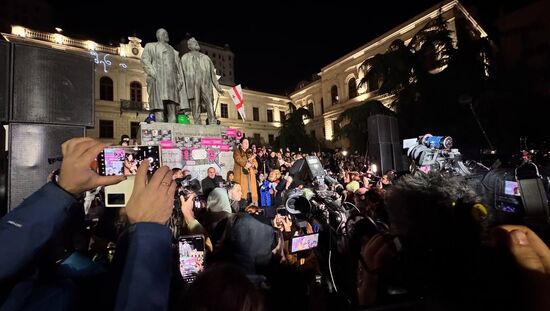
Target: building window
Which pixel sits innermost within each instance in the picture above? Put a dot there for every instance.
(334, 94)
(105, 88)
(135, 91)
(271, 139)
(106, 129)
(224, 111)
(352, 88)
(282, 116)
(255, 114)
(310, 108)
(269, 115)
(322, 106)
(134, 129)
(257, 139)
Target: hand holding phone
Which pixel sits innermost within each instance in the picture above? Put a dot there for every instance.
(75, 175)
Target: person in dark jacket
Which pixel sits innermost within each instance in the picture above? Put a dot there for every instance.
(26, 231)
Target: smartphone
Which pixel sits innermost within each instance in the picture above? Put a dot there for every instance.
(125, 160)
(191, 254)
(304, 242)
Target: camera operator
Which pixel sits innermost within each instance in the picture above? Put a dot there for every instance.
(143, 260)
(440, 251)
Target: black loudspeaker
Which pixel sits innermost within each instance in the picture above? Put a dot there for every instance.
(4, 80)
(3, 173)
(30, 147)
(385, 148)
(51, 86)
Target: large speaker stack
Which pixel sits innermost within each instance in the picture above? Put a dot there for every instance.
(46, 98)
(385, 147)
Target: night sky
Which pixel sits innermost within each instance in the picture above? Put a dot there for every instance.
(276, 44)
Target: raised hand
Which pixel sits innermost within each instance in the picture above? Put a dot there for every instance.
(151, 201)
(75, 175)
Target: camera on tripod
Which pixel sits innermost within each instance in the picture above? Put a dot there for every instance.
(435, 153)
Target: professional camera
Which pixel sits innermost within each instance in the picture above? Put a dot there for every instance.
(435, 153)
(517, 195)
(186, 185)
(321, 199)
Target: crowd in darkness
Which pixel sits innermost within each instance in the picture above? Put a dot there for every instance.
(432, 249)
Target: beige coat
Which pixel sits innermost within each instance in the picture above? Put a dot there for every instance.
(240, 158)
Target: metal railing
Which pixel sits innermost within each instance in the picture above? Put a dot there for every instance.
(129, 105)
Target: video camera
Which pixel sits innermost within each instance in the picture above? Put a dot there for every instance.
(187, 185)
(513, 195)
(517, 195)
(322, 197)
(435, 153)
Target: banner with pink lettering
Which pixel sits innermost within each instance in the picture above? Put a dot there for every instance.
(193, 147)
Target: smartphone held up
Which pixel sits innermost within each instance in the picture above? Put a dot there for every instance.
(125, 160)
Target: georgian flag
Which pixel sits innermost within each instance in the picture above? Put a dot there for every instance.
(236, 94)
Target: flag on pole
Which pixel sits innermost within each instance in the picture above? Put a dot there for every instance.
(236, 94)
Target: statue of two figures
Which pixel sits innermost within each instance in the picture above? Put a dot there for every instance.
(176, 84)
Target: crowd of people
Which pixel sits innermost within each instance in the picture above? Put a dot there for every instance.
(431, 247)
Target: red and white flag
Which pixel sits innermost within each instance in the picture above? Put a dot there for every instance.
(236, 94)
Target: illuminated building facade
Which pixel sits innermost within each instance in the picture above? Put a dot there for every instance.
(121, 89)
(336, 88)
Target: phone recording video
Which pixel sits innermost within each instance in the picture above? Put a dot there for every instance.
(304, 242)
(191, 254)
(126, 160)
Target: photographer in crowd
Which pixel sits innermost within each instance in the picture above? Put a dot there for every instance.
(437, 244)
(26, 231)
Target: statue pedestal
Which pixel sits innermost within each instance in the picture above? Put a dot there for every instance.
(193, 147)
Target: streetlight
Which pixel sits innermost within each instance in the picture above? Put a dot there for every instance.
(345, 153)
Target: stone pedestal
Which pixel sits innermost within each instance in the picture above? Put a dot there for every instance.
(193, 147)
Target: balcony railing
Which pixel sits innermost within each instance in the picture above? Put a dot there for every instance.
(129, 105)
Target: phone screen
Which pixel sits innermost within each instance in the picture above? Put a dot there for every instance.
(511, 188)
(304, 242)
(126, 160)
(191, 254)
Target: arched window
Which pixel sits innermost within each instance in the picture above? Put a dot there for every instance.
(334, 94)
(135, 91)
(352, 88)
(105, 88)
